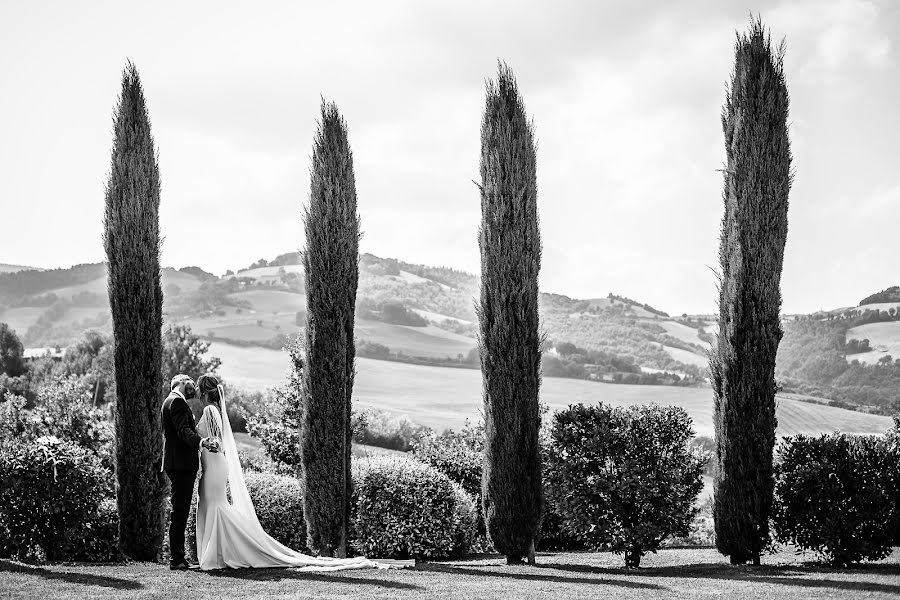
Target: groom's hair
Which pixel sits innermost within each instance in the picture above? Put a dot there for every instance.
(178, 379)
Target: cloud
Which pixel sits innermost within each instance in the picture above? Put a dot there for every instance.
(626, 100)
(832, 38)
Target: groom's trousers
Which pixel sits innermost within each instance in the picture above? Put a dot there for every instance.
(182, 492)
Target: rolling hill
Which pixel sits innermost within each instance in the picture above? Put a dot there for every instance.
(4, 268)
(426, 314)
(264, 304)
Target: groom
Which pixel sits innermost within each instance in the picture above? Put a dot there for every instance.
(181, 461)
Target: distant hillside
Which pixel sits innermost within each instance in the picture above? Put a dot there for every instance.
(850, 356)
(892, 294)
(4, 268)
(404, 310)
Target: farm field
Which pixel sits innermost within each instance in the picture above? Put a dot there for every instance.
(682, 332)
(444, 397)
(883, 337)
(686, 356)
(273, 301)
(274, 312)
(427, 341)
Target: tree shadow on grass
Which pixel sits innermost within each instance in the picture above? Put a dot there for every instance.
(802, 575)
(70, 577)
(525, 576)
(280, 574)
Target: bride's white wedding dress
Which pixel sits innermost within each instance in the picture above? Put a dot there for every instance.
(229, 535)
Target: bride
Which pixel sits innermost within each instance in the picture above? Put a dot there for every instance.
(229, 535)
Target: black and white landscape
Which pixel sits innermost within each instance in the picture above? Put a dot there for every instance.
(522, 300)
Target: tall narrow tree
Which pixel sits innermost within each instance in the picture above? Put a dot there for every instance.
(131, 239)
(331, 262)
(509, 338)
(754, 231)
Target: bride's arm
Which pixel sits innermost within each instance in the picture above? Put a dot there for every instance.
(213, 423)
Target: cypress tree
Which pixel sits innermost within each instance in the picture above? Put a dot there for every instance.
(331, 262)
(132, 243)
(509, 340)
(754, 231)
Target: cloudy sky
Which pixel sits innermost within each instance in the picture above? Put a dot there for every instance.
(625, 97)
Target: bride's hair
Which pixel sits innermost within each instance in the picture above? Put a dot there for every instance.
(209, 385)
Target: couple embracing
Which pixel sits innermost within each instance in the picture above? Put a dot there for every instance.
(229, 534)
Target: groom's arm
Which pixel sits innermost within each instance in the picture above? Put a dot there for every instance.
(183, 419)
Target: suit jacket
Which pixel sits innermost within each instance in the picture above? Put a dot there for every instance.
(181, 442)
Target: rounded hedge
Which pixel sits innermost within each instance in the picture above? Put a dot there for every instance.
(49, 487)
(834, 495)
(97, 538)
(278, 500)
(404, 508)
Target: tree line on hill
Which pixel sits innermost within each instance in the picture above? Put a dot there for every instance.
(891, 294)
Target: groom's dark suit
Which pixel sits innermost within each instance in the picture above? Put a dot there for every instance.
(181, 461)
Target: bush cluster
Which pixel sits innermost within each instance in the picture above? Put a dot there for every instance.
(381, 429)
(624, 478)
(458, 455)
(64, 410)
(838, 495)
(278, 500)
(404, 508)
(97, 538)
(50, 487)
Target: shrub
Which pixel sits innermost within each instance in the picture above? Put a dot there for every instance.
(554, 535)
(63, 410)
(459, 456)
(404, 508)
(256, 463)
(384, 430)
(465, 521)
(277, 424)
(624, 477)
(97, 538)
(279, 506)
(834, 496)
(702, 532)
(49, 487)
(893, 440)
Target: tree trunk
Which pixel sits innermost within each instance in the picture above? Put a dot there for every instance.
(633, 558)
(531, 559)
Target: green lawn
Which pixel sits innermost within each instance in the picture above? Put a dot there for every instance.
(670, 574)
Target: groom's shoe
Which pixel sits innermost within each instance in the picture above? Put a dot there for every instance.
(179, 566)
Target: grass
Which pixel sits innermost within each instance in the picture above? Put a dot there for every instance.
(272, 301)
(682, 332)
(442, 397)
(691, 573)
(427, 341)
(249, 445)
